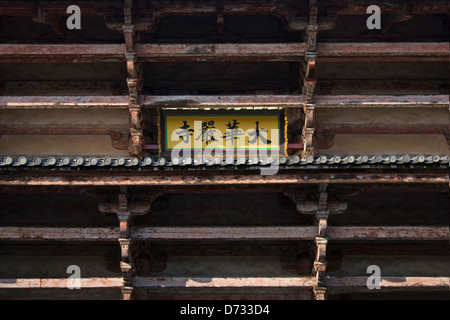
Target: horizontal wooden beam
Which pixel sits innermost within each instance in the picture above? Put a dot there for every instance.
(295, 101)
(58, 234)
(230, 282)
(224, 52)
(366, 52)
(388, 233)
(119, 178)
(247, 189)
(85, 283)
(225, 233)
(192, 7)
(382, 101)
(221, 52)
(390, 282)
(58, 102)
(104, 179)
(56, 53)
(288, 282)
(223, 101)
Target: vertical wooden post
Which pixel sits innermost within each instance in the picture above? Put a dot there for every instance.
(309, 82)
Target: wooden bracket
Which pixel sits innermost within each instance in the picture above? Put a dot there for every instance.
(393, 17)
(127, 293)
(308, 131)
(296, 23)
(309, 81)
(126, 212)
(312, 28)
(135, 142)
(40, 16)
(129, 33)
(136, 116)
(320, 264)
(319, 204)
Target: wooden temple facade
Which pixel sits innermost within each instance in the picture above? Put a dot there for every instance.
(363, 178)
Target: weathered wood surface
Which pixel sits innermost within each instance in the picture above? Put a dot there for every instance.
(224, 101)
(59, 234)
(230, 282)
(390, 282)
(111, 282)
(225, 233)
(224, 52)
(249, 7)
(173, 179)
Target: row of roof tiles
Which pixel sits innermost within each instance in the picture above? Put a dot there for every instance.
(64, 161)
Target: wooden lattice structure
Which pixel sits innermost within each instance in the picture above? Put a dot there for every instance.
(367, 113)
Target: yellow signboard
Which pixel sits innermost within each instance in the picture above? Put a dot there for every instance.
(223, 130)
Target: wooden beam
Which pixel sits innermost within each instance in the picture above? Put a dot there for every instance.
(248, 7)
(24, 7)
(111, 282)
(368, 52)
(288, 282)
(51, 53)
(327, 101)
(221, 52)
(390, 282)
(57, 53)
(217, 189)
(388, 233)
(118, 178)
(51, 294)
(225, 233)
(230, 282)
(42, 102)
(380, 101)
(58, 234)
(224, 101)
